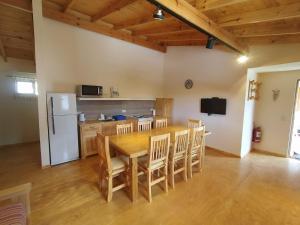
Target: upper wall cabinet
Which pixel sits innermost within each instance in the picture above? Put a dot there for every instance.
(164, 108)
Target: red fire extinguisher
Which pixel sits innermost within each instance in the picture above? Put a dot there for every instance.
(256, 135)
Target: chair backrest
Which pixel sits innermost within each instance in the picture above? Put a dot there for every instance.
(159, 149)
(159, 123)
(124, 128)
(194, 123)
(181, 143)
(144, 125)
(197, 137)
(103, 151)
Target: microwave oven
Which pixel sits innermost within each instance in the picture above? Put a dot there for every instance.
(89, 91)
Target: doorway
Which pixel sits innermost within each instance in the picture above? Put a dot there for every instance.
(295, 132)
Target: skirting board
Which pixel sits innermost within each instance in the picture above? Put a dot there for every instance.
(268, 153)
(222, 152)
(18, 144)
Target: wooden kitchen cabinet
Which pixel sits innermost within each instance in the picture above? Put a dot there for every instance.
(164, 108)
(88, 134)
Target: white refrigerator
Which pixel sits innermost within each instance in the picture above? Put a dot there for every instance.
(62, 125)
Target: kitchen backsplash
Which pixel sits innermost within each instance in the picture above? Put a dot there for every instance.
(92, 109)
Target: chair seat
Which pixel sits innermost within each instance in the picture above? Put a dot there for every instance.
(144, 163)
(124, 158)
(119, 163)
(14, 214)
(179, 157)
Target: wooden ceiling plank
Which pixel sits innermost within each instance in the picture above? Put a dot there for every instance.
(168, 32)
(193, 34)
(206, 5)
(185, 42)
(283, 39)
(98, 28)
(140, 22)
(115, 6)
(193, 16)
(24, 5)
(18, 43)
(2, 50)
(19, 53)
(266, 29)
(164, 27)
(69, 5)
(258, 16)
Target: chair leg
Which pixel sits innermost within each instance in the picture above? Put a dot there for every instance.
(189, 167)
(185, 170)
(200, 161)
(109, 188)
(149, 186)
(172, 183)
(202, 157)
(166, 178)
(100, 178)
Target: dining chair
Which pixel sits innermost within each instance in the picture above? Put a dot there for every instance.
(124, 128)
(144, 125)
(110, 168)
(194, 123)
(196, 150)
(157, 161)
(159, 123)
(178, 156)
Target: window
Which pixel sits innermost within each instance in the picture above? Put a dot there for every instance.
(26, 86)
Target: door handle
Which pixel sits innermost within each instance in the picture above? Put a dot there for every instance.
(53, 122)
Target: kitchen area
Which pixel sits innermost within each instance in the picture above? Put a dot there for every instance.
(74, 119)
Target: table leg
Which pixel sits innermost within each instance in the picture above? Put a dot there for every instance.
(134, 178)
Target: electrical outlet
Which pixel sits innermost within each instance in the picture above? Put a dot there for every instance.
(124, 110)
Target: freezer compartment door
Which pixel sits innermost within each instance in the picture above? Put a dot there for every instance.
(59, 104)
(63, 139)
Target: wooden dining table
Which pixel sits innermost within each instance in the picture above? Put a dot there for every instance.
(135, 145)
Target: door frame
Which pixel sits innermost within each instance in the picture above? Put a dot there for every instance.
(289, 153)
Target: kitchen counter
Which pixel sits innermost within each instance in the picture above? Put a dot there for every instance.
(112, 122)
(89, 130)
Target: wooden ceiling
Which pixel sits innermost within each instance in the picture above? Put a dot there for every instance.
(237, 23)
(245, 22)
(16, 29)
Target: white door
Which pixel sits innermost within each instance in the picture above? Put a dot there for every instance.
(63, 139)
(295, 139)
(61, 104)
(295, 131)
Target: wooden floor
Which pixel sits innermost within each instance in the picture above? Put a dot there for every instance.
(256, 190)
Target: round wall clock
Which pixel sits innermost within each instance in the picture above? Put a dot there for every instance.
(188, 84)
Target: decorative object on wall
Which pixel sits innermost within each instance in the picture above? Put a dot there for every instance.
(276, 93)
(253, 90)
(188, 84)
(114, 93)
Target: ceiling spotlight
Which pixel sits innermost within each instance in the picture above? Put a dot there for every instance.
(242, 59)
(211, 41)
(159, 14)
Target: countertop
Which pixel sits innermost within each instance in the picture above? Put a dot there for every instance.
(87, 122)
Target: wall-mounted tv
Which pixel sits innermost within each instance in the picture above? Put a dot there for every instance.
(213, 106)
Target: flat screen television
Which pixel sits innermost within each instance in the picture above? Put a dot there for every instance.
(213, 106)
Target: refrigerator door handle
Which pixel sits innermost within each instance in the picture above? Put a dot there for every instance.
(53, 124)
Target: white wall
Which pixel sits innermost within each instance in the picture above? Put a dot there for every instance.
(18, 117)
(275, 117)
(215, 73)
(67, 56)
